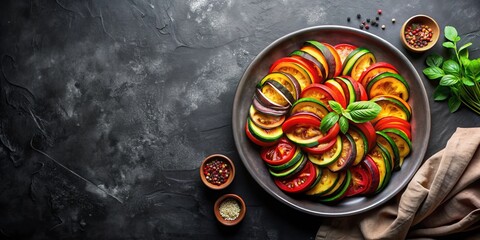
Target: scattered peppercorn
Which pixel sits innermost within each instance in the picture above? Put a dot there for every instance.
(361, 26)
(383, 27)
(216, 171)
(393, 20)
(418, 35)
(377, 18)
(374, 22)
(379, 11)
(368, 20)
(359, 16)
(348, 19)
(367, 27)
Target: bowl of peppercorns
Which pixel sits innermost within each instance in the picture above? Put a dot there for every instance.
(217, 171)
(419, 33)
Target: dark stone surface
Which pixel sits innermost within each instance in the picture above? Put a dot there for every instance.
(108, 107)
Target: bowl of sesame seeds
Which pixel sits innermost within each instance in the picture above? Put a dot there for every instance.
(217, 171)
(230, 209)
(419, 33)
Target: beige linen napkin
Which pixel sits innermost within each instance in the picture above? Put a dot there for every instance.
(442, 199)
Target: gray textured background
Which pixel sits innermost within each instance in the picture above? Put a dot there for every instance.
(108, 107)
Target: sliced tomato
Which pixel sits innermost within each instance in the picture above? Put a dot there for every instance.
(375, 69)
(363, 92)
(394, 122)
(393, 119)
(321, 147)
(255, 139)
(279, 153)
(303, 129)
(343, 49)
(338, 90)
(361, 179)
(320, 92)
(294, 66)
(298, 182)
(369, 131)
(392, 106)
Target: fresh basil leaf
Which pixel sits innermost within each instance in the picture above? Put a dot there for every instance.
(434, 60)
(433, 72)
(451, 67)
(448, 80)
(464, 59)
(343, 122)
(467, 81)
(474, 67)
(347, 115)
(441, 93)
(336, 106)
(457, 39)
(454, 90)
(363, 111)
(448, 44)
(328, 121)
(454, 103)
(450, 33)
(465, 46)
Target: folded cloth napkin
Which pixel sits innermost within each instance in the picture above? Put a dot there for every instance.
(442, 199)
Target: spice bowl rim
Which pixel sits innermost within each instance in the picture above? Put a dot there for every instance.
(423, 19)
(243, 209)
(230, 178)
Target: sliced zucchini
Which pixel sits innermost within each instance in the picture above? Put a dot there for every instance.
(329, 156)
(298, 155)
(266, 135)
(347, 156)
(327, 181)
(291, 170)
(310, 105)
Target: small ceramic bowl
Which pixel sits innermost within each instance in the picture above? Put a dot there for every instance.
(419, 20)
(213, 180)
(230, 205)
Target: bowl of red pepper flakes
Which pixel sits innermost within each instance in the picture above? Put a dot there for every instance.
(419, 33)
(217, 171)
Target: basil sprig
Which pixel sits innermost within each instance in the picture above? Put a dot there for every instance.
(459, 76)
(357, 112)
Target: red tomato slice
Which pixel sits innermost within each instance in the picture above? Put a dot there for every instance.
(305, 119)
(369, 132)
(361, 179)
(395, 125)
(279, 153)
(374, 70)
(300, 181)
(363, 92)
(389, 119)
(256, 140)
(343, 50)
(331, 134)
(320, 92)
(339, 96)
(321, 147)
(394, 122)
(312, 71)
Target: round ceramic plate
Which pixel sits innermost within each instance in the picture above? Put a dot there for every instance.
(383, 51)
